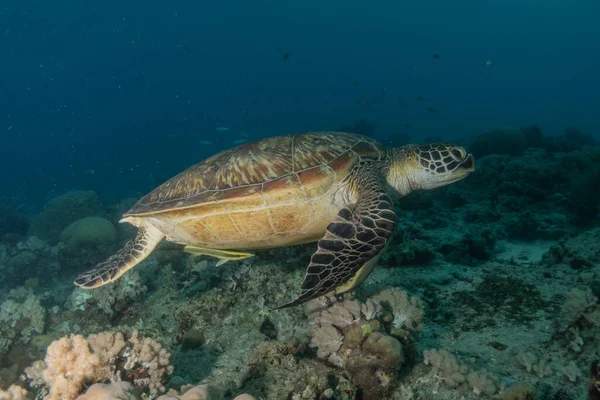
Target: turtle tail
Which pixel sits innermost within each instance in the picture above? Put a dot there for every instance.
(134, 252)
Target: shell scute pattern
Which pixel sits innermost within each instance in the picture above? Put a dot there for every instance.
(280, 163)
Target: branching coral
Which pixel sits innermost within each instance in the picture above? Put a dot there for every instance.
(482, 382)
(74, 361)
(14, 392)
(541, 366)
(69, 364)
(580, 303)
(447, 369)
(110, 298)
(20, 319)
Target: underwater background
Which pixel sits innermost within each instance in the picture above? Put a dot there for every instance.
(489, 288)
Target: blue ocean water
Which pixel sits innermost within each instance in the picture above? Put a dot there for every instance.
(119, 97)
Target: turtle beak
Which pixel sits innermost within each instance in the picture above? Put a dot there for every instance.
(462, 170)
(469, 164)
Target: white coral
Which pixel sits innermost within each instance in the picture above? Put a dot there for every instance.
(482, 382)
(571, 371)
(541, 366)
(371, 309)
(408, 311)
(445, 366)
(578, 301)
(20, 318)
(110, 298)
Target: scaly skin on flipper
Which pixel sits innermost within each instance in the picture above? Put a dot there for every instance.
(359, 233)
(134, 252)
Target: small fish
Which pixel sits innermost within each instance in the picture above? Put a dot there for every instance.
(239, 141)
(404, 104)
(355, 84)
(205, 142)
(286, 56)
(420, 98)
(431, 110)
(488, 63)
(436, 56)
(222, 128)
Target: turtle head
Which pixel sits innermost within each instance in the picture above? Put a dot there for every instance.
(414, 167)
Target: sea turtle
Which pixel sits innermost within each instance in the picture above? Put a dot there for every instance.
(332, 187)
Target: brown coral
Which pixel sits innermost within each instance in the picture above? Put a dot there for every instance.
(375, 367)
(348, 334)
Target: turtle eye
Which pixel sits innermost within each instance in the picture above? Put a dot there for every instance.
(457, 154)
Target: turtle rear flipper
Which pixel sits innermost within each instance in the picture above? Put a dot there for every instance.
(351, 245)
(134, 252)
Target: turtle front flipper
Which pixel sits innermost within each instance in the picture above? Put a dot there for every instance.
(348, 251)
(134, 252)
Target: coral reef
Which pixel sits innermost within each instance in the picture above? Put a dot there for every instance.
(63, 210)
(109, 299)
(514, 141)
(94, 231)
(370, 340)
(510, 141)
(594, 383)
(86, 242)
(278, 371)
(21, 317)
(503, 271)
(29, 259)
(14, 392)
(73, 361)
(13, 224)
(521, 391)
(111, 391)
(447, 369)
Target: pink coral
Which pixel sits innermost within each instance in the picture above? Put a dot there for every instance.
(74, 361)
(70, 363)
(14, 392)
